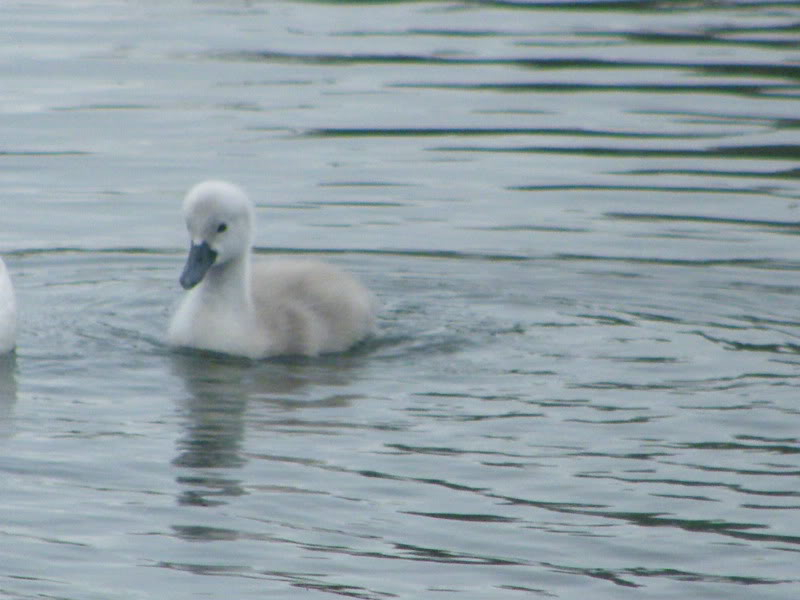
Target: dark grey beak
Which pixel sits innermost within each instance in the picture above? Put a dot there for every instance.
(200, 259)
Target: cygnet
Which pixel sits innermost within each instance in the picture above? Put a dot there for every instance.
(8, 312)
(259, 308)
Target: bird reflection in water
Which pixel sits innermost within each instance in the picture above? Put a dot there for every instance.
(219, 390)
(8, 393)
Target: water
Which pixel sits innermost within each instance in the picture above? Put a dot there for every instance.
(581, 220)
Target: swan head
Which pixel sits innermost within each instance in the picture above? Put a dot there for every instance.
(219, 219)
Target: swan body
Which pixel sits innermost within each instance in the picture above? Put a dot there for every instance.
(8, 312)
(256, 309)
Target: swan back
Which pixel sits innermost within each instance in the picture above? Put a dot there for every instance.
(310, 307)
(8, 312)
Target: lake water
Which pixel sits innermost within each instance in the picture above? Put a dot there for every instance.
(581, 219)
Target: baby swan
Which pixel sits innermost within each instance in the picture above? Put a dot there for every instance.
(8, 312)
(259, 308)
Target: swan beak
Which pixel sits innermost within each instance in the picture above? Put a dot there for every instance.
(200, 259)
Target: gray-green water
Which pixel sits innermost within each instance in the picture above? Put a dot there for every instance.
(581, 219)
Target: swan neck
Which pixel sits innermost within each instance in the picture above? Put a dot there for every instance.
(230, 282)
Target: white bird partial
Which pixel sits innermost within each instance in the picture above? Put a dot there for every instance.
(235, 305)
(8, 312)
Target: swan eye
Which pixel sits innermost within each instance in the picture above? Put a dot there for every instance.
(222, 227)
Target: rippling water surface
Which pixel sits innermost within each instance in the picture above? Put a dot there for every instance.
(581, 219)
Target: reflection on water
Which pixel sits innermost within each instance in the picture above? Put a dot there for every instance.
(221, 390)
(215, 406)
(8, 393)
